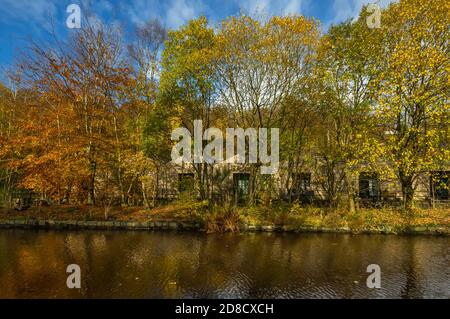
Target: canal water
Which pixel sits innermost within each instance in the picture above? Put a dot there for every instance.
(126, 264)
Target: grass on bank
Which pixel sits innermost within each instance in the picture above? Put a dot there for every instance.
(230, 218)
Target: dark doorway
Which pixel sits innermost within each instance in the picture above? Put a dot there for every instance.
(439, 182)
(369, 186)
(241, 187)
(185, 182)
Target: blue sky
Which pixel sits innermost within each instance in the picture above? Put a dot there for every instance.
(25, 20)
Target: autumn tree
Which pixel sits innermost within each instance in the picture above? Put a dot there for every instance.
(347, 140)
(148, 128)
(145, 52)
(187, 91)
(72, 133)
(259, 66)
(12, 107)
(412, 91)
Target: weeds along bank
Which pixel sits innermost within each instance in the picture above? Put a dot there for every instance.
(297, 218)
(199, 216)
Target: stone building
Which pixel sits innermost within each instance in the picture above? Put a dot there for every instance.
(372, 189)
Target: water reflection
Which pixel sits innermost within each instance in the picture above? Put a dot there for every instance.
(190, 265)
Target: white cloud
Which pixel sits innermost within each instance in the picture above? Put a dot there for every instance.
(172, 12)
(139, 11)
(181, 11)
(271, 7)
(254, 6)
(294, 6)
(349, 9)
(104, 5)
(27, 11)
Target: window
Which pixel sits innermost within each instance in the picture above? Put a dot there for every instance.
(302, 183)
(301, 187)
(185, 182)
(369, 186)
(241, 186)
(440, 185)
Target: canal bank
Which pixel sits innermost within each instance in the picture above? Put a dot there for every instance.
(174, 225)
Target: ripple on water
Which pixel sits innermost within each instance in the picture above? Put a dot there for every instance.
(190, 265)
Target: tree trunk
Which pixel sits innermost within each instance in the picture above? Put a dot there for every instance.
(407, 190)
(144, 195)
(350, 193)
(253, 182)
(91, 189)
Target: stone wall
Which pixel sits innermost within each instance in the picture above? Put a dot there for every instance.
(190, 226)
